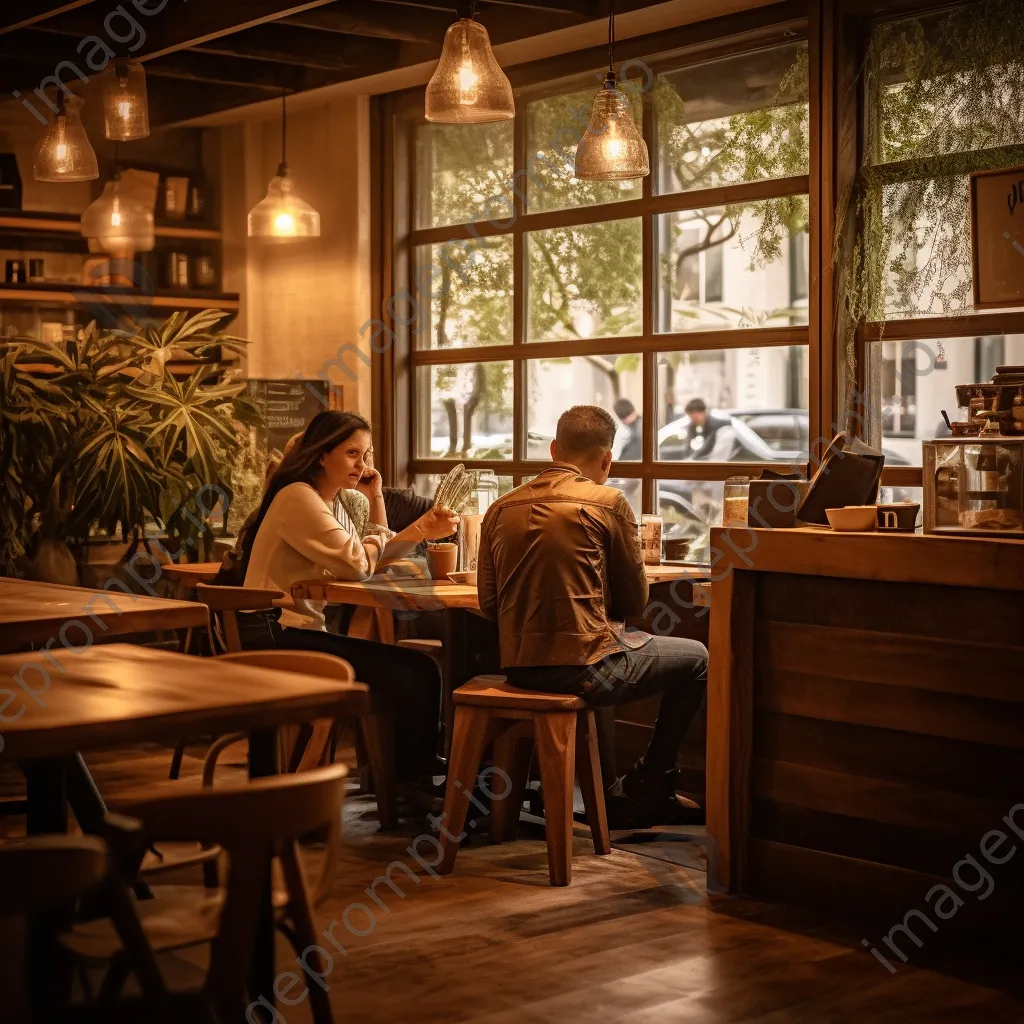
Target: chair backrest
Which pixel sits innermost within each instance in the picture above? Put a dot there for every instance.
(312, 740)
(44, 872)
(251, 823)
(226, 602)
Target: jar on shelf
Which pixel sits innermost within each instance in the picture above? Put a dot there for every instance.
(736, 501)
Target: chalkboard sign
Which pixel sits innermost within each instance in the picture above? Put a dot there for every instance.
(287, 407)
(997, 238)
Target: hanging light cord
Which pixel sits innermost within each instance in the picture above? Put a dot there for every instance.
(284, 129)
(611, 35)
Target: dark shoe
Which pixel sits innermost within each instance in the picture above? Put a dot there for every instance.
(656, 794)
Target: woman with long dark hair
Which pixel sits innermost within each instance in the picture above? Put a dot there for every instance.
(297, 536)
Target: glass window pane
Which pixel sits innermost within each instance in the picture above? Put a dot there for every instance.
(459, 167)
(585, 282)
(735, 266)
(614, 383)
(755, 405)
(463, 293)
(917, 380)
(740, 119)
(554, 128)
(690, 508)
(464, 411)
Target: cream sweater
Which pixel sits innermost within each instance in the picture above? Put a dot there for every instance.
(301, 539)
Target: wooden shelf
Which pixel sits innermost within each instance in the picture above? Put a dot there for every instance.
(70, 224)
(80, 295)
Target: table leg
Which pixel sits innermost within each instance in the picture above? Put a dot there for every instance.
(263, 761)
(46, 784)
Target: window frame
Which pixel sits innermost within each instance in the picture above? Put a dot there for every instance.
(403, 112)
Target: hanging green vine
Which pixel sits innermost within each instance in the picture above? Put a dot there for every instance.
(945, 97)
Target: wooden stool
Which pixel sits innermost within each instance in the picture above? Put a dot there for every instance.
(488, 708)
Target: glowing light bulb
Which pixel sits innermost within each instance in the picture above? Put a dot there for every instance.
(613, 147)
(284, 224)
(115, 219)
(124, 109)
(469, 82)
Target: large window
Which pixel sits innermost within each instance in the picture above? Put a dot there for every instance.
(939, 89)
(534, 291)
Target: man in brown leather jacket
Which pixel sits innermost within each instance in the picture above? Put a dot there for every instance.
(560, 569)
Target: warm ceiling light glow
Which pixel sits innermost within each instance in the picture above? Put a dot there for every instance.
(468, 85)
(612, 149)
(64, 152)
(125, 101)
(121, 225)
(282, 216)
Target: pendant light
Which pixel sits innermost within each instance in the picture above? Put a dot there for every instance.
(612, 149)
(64, 152)
(283, 216)
(125, 103)
(121, 225)
(468, 85)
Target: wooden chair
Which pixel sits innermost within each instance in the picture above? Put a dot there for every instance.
(376, 727)
(37, 875)
(224, 604)
(255, 824)
(487, 709)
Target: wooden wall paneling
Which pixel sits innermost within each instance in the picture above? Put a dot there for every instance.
(953, 766)
(866, 890)
(987, 671)
(906, 608)
(882, 800)
(730, 728)
(890, 707)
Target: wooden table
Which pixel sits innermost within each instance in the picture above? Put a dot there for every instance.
(74, 617)
(401, 593)
(118, 694)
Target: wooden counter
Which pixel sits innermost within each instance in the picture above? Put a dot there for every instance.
(865, 716)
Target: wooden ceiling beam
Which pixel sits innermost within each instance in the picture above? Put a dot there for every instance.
(303, 47)
(195, 66)
(377, 21)
(588, 9)
(169, 31)
(31, 13)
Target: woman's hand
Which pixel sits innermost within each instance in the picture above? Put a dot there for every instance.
(371, 484)
(438, 523)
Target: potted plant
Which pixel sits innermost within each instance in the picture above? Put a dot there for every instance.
(102, 437)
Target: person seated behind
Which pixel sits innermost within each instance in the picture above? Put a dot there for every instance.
(559, 570)
(297, 535)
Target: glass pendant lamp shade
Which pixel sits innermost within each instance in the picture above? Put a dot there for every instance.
(612, 148)
(283, 216)
(125, 103)
(468, 85)
(121, 225)
(64, 152)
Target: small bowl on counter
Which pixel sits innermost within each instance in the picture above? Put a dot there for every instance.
(467, 579)
(853, 518)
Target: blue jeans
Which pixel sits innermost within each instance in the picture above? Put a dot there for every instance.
(672, 666)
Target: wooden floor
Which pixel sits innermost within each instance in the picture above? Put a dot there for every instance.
(634, 940)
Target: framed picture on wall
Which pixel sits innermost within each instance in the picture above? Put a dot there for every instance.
(997, 238)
